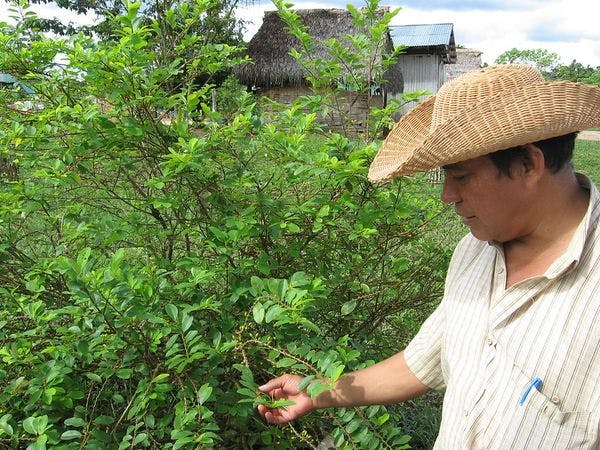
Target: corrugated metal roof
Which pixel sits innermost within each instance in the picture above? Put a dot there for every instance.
(425, 35)
(6, 78)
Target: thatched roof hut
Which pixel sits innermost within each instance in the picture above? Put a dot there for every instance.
(269, 49)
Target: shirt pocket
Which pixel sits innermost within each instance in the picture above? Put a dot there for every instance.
(540, 423)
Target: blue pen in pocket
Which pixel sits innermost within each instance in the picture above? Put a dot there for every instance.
(535, 383)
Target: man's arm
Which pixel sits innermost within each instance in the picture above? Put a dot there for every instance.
(389, 381)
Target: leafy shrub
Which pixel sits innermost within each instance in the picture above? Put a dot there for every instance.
(155, 271)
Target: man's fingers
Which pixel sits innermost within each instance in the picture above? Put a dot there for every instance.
(278, 394)
(275, 417)
(272, 384)
(262, 409)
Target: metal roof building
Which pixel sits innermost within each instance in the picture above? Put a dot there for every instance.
(435, 38)
(428, 47)
(7, 79)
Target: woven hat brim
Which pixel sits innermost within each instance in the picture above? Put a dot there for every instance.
(519, 117)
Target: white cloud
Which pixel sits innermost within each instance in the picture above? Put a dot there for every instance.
(566, 27)
(49, 11)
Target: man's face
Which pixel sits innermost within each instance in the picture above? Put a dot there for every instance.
(492, 205)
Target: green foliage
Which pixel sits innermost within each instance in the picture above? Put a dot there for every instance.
(541, 58)
(549, 65)
(217, 24)
(576, 72)
(594, 78)
(160, 259)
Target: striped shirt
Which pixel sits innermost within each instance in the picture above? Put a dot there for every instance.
(521, 366)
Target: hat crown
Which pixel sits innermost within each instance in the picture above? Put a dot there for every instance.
(463, 93)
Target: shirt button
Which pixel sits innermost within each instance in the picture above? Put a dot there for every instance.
(555, 400)
(466, 413)
(501, 270)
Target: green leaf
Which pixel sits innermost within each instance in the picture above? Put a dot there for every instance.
(293, 228)
(348, 415)
(204, 393)
(353, 425)
(275, 312)
(246, 392)
(285, 362)
(258, 312)
(337, 373)
(404, 439)
(299, 279)
(104, 420)
(256, 284)
(382, 419)
(70, 434)
(161, 376)
(186, 322)
(348, 307)
(305, 382)
(75, 422)
(266, 437)
(324, 211)
(139, 438)
(39, 444)
(172, 311)
(281, 403)
(35, 425)
(316, 388)
(179, 443)
(94, 377)
(124, 374)
(5, 427)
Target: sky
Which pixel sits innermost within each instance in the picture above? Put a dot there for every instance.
(569, 28)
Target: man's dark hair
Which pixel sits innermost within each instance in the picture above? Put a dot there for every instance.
(557, 151)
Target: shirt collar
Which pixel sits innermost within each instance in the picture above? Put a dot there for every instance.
(572, 255)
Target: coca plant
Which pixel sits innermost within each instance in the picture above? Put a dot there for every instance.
(161, 259)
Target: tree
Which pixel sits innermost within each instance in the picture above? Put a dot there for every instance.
(575, 72)
(594, 78)
(218, 23)
(543, 59)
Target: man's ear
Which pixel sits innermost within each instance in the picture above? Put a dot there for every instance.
(533, 162)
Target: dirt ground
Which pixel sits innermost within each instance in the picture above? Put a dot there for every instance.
(589, 135)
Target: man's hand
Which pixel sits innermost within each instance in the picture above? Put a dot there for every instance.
(285, 387)
(388, 381)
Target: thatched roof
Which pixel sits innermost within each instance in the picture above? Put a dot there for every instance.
(269, 49)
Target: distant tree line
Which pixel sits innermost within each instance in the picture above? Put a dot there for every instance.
(549, 64)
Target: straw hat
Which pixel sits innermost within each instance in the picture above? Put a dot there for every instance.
(481, 112)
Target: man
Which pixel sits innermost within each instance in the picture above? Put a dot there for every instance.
(515, 341)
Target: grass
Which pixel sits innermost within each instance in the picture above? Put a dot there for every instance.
(586, 158)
